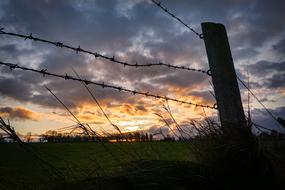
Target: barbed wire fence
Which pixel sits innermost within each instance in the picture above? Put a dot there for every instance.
(44, 73)
(87, 130)
(98, 55)
(260, 102)
(159, 4)
(201, 36)
(114, 60)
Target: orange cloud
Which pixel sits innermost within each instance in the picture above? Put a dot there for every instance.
(19, 113)
(136, 109)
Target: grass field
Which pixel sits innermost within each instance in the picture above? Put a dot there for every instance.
(53, 165)
(76, 161)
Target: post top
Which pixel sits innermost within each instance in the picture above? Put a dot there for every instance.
(209, 24)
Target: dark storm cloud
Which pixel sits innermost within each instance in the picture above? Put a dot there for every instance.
(272, 73)
(71, 93)
(116, 72)
(15, 89)
(100, 26)
(8, 48)
(96, 21)
(11, 53)
(257, 22)
(244, 53)
(263, 68)
(276, 81)
(141, 32)
(259, 16)
(181, 79)
(280, 46)
(23, 91)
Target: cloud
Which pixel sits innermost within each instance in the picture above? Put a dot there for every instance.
(132, 110)
(261, 117)
(134, 32)
(245, 53)
(265, 67)
(271, 74)
(139, 31)
(182, 80)
(205, 96)
(280, 46)
(19, 113)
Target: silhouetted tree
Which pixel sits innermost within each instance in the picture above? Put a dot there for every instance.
(151, 137)
(28, 137)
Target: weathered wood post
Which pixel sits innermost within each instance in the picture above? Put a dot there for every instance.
(223, 75)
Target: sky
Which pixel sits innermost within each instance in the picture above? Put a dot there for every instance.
(136, 32)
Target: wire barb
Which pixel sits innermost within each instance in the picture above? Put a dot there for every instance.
(158, 3)
(96, 54)
(80, 124)
(43, 71)
(103, 85)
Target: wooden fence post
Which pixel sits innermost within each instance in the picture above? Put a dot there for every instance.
(223, 75)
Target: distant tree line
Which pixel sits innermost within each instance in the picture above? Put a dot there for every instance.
(138, 136)
(54, 136)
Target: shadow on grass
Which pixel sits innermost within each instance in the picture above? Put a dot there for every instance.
(154, 174)
(182, 175)
(230, 158)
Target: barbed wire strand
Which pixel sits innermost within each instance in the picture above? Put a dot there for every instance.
(44, 73)
(257, 99)
(98, 104)
(258, 126)
(107, 117)
(88, 131)
(80, 125)
(158, 3)
(98, 55)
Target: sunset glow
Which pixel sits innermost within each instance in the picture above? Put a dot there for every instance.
(136, 32)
